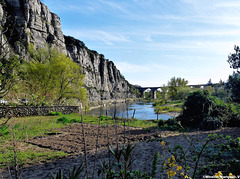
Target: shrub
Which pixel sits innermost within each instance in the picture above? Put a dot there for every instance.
(63, 120)
(55, 113)
(160, 123)
(211, 123)
(171, 124)
(159, 103)
(200, 105)
(4, 131)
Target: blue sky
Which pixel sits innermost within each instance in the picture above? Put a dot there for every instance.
(151, 41)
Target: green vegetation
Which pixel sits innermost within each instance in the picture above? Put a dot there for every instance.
(233, 87)
(177, 88)
(51, 76)
(233, 59)
(28, 127)
(170, 106)
(22, 129)
(171, 124)
(216, 155)
(8, 73)
(31, 155)
(203, 110)
(55, 113)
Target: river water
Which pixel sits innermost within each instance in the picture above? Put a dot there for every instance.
(143, 111)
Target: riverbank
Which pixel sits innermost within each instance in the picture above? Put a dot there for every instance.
(173, 114)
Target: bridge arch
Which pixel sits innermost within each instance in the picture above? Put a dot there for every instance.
(153, 91)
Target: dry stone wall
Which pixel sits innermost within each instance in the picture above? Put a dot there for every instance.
(23, 111)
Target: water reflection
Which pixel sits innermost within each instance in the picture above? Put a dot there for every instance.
(143, 110)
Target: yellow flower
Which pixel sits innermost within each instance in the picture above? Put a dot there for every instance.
(182, 174)
(219, 174)
(163, 143)
(179, 168)
(230, 174)
(186, 176)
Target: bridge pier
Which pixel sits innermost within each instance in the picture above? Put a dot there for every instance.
(154, 94)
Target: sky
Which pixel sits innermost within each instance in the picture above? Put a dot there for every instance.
(151, 41)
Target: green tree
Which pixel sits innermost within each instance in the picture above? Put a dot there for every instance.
(9, 63)
(8, 73)
(233, 86)
(234, 59)
(163, 93)
(52, 75)
(174, 85)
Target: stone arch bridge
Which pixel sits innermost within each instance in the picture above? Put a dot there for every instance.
(153, 90)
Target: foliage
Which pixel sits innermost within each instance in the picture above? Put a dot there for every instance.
(200, 105)
(175, 85)
(159, 103)
(51, 75)
(74, 174)
(65, 120)
(9, 61)
(160, 122)
(55, 113)
(210, 89)
(171, 124)
(8, 73)
(221, 93)
(163, 94)
(166, 108)
(211, 123)
(215, 153)
(170, 106)
(30, 156)
(122, 166)
(234, 59)
(233, 86)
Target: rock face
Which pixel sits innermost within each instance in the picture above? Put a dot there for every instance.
(34, 23)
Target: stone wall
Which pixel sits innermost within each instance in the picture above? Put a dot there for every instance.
(23, 111)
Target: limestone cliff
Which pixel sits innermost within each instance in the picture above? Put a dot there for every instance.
(31, 21)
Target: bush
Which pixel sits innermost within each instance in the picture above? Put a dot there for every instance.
(159, 103)
(4, 131)
(160, 123)
(171, 124)
(211, 123)
(200, 105)
(63, 120)
(55, 113)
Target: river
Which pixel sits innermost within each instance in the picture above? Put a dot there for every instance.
(143, 111)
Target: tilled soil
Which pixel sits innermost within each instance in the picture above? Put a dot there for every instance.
(70, 140)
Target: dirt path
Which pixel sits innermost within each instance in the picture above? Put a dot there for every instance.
(69, 140)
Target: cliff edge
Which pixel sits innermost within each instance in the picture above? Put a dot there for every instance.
(31, 21)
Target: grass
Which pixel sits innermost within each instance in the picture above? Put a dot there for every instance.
(28, 127)
(171, 106)
(31, 155)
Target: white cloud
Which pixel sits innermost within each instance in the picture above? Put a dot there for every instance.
(129, 68)
(108, 38)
